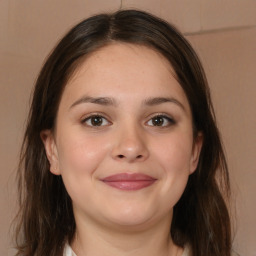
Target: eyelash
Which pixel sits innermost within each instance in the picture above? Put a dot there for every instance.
(170, 120)
(96, 115)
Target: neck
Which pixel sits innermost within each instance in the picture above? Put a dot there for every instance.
(97, 240)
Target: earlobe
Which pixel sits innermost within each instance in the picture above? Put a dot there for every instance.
(51, 150)
(198, 142)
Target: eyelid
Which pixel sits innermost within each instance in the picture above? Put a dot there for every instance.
(88, 116)
(170, 119)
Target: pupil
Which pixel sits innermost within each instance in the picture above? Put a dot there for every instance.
(158, 121)
(96, 121)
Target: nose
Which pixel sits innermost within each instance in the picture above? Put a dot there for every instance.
(130, 146)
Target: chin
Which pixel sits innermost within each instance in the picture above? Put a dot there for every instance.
(130, 218)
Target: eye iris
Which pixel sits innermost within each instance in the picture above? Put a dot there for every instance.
(96, 120)
(158, 121)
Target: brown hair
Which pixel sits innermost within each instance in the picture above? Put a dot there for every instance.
(45, 219)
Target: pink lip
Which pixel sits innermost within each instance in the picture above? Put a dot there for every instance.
(129, 181)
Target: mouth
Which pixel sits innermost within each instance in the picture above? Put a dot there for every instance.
(129, 181)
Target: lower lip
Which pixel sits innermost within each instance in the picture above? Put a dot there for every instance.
(130, 185)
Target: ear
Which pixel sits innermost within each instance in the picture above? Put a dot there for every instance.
(197, 146)
(51, 150)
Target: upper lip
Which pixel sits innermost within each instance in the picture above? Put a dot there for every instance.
(128, 177)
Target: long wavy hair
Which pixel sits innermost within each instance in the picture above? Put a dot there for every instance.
(45, 221)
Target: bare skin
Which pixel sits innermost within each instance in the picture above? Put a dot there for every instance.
(123, 111)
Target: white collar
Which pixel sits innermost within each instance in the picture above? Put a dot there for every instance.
(68, 251)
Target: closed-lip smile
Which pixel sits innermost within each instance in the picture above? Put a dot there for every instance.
(129, 181)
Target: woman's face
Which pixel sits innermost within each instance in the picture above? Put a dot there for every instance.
(123, 142)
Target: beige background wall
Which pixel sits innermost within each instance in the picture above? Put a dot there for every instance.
(223, 33)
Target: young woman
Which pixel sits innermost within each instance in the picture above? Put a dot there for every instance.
(121, 154)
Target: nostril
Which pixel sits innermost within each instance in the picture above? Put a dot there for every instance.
(128, 157)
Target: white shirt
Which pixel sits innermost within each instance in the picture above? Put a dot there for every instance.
(69, 252)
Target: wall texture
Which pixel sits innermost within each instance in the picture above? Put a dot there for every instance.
(222, 32)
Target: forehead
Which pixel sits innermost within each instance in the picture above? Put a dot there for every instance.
(122, 57)
(124, 69)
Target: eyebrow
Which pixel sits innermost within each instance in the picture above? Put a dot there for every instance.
(108, 101)
(104, 101)
(161, 100)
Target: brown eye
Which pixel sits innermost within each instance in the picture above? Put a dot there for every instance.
(158, 121)
(161, 120)
(96, 120)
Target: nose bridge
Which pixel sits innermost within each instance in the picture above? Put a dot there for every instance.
(130, 144)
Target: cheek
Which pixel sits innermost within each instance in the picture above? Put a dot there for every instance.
(80, 152)
(173, 157)
(174, 153)
(79, 157)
